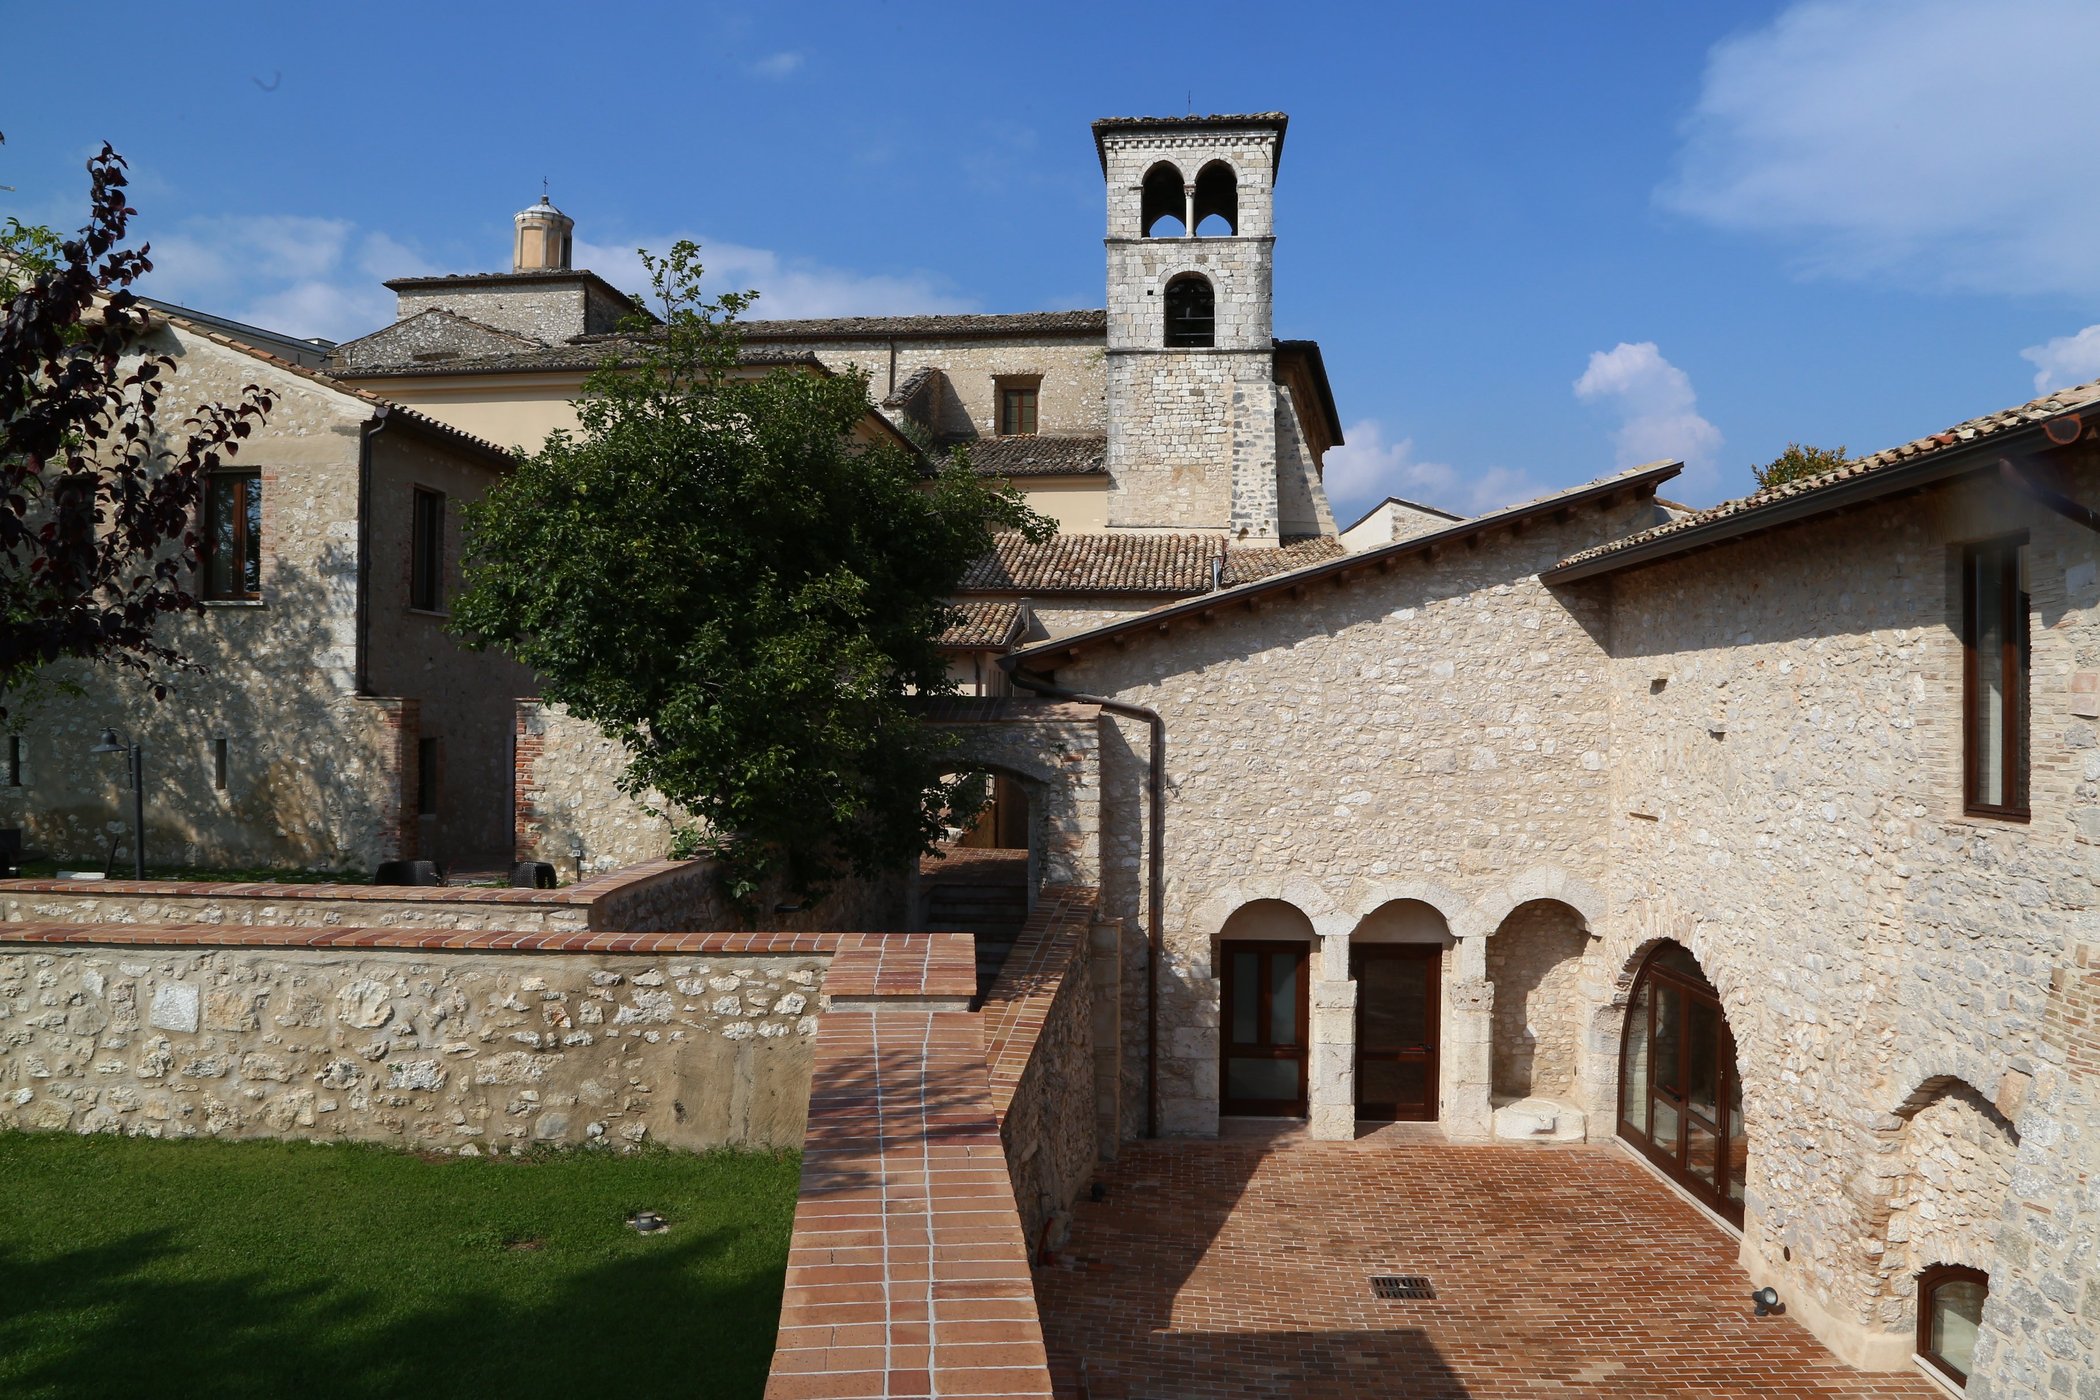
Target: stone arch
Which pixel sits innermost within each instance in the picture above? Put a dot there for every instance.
(1454, 908)
(1217, 196)
(1953, 1153)
(1303, 894)
(1190, 307)
(1057, 762)
(1164, 195)
(1535, 965)
(1544, 882)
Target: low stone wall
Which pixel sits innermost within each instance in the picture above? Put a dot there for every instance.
(469, 1043)
(650, 897)
(1039, 1053)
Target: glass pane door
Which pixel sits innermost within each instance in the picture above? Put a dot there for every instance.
(1263, 1049)
(1397, 991)
(1680, 1100)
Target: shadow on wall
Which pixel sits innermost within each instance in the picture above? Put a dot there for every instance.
(265, 757)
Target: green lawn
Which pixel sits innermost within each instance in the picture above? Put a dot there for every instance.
(133, 1267)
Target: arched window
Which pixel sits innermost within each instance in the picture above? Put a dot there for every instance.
(1680, 1097)
(1191, 312)
(1217, 200)
(1164, 198)
(1950, 1310)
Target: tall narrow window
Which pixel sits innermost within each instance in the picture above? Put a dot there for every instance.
(426, 777)
(218, 764)
(1950, 1312)
(1191, 313)
(1994, 686)
(1017, 401)
(14, 760)
(233, 536)
(426, 583)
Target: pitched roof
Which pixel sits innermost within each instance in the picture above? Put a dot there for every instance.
(342, 355)
(387, 408)
(584, 353)
(1293, 574)
(966, 325)
(1038, 456)
(457, 281)
(982, 626)
(1131, 563)
(2053, 416)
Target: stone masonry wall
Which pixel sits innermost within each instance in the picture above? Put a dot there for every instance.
(546, 311)
(1070, 397)
(1956, 1154)
(1787, 803)
(1439, 732)
(1534, 962)
(461, 1052)
(310, 776)
(1171, 453)
(567, 797)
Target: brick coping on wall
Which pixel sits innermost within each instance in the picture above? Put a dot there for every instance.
(730, 943)
(1018, 1005)
(588, 892)
(908, 1273)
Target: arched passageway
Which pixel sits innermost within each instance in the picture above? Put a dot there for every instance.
(1680, 1095)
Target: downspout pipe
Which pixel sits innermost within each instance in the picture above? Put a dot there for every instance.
(1156, 881)
(363, 630)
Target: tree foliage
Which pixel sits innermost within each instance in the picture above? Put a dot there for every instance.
(97, 496)
(1798, 461)
(716, 573)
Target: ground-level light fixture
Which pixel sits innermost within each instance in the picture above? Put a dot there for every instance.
(648, 1222)
(111, 742)
(1767, 1300)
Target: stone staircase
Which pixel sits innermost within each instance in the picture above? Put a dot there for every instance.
(984, 893)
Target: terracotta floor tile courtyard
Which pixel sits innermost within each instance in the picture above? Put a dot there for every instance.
(1242, 1268)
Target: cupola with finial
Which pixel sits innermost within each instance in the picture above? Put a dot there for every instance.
(543, 241)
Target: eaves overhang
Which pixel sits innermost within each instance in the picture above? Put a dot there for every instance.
(1842, 494)
(1639, 481)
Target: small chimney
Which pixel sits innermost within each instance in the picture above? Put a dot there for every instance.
(544, 235)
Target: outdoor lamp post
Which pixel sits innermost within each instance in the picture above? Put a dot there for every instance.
(112, 744)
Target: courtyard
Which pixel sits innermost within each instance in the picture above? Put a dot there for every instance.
(1242, 1267)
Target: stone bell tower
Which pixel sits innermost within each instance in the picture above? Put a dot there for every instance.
(1192, 401)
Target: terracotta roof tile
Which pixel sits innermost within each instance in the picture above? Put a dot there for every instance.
(1131, 563)
(982, 626)
(1038, 456)
(1962, 435)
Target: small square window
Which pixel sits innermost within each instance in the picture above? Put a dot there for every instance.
(233, 536)
(1017, 405)
(1950, 1314)
(426, 582)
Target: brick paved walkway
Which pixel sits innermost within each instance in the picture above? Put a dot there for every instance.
(1241, 1268)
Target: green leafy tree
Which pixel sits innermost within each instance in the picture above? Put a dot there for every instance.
(98, 489)
(715, 572)
(1797, 462)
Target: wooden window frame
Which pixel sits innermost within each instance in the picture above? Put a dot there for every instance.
(1669, 1158)
(2013, 664)
(426, 551)
(1262, 948)
(1929, 1283)
(1025, 395)
(242, 485)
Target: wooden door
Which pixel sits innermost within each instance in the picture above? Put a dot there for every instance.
(1398, 988)
(1263, 1038)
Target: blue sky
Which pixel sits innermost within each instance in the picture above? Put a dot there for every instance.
(1536, 241)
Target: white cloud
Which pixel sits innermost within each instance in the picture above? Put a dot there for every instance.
(788, 286)
(776, 65)
(1368, 468)
(2066, 360)
(1658, 412)
(292, 273)
(1934, 141)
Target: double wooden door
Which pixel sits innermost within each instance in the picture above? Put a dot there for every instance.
(1264, 1036)
(1397, 991)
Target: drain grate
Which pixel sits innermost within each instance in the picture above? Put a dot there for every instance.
(1402, 1286)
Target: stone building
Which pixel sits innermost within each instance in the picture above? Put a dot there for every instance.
(334, 723)
(1761, 840)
